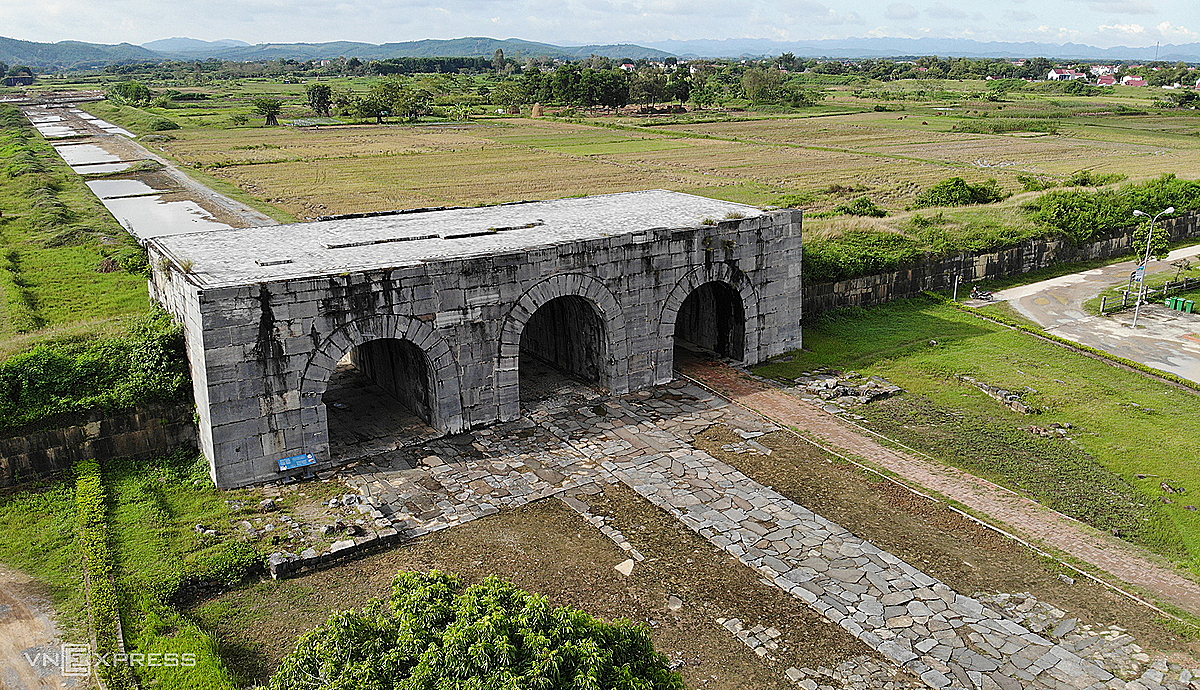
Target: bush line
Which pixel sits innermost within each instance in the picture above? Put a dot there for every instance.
(103, 610)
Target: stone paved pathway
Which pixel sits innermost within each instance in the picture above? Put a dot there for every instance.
(1029, 518)
(947, 639)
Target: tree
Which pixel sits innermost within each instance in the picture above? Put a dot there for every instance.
(432, 632)
(270, 109)
(3, 67)
(498, 60)
(1160, 242)
(320, 97)
(1181, 266)
(131, 92)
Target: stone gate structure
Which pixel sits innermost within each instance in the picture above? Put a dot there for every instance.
(436, 306)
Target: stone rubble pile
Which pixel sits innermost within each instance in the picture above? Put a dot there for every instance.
(845, 389)
(1006, 397)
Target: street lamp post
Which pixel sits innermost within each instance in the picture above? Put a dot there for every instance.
(1149, 238)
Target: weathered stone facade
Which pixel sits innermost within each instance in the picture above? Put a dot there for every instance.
(30, 454)
(594, 285)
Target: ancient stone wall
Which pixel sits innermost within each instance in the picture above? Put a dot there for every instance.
(142, 433)
(937, 273)
(262, 353)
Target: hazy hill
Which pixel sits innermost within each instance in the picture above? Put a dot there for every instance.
(457, 47)
(893, 47)
(65, 55)
(68, 55)
(189, 45)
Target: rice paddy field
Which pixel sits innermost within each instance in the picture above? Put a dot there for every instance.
(815, 158)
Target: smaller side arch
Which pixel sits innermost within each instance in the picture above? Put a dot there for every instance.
(615, 373)
(714, 273)
(445, 399)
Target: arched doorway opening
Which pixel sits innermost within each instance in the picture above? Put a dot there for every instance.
(711, 320)
(562, 346)
(379, 399)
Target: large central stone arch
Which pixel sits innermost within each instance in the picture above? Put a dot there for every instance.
(445, 399)
(712, 273)
(615, 373)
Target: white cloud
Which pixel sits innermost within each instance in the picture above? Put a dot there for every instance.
(940, 11)
(900, 11)
(1177, 32)
(1121, 6)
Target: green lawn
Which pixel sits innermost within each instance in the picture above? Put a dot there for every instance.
(1125, 425)
(1154, 281)
(54, 237)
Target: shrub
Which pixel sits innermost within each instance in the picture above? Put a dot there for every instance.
(856, 254)
(1082, 215)
(239, 119)
(1087, 178)
(434, 633)
(147, 364)
(956, 191)
(862, 206)
(162, 124)
(1033, 183)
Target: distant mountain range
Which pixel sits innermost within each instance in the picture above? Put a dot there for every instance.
(905, 47)
(190, 45)
(456, 47)
(70, 55)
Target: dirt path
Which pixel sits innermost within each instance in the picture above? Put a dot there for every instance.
(1026, 517)
(26, 631)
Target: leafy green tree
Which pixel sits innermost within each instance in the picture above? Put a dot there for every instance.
(1160, 243)
(320, 97)
(434, 633)
(498, 60)
(510, 93)
(270, 109)
(132, 92)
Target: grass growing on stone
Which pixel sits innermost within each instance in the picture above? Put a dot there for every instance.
(156, 506)
(55, 238)
(1125, 425)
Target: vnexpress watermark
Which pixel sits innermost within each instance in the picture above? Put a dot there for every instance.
(78, 660)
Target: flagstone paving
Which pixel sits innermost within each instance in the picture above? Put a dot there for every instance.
(572, 441)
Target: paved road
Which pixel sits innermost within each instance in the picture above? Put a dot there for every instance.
(1164, 339)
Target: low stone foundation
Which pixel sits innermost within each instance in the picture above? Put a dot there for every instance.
(142, 433)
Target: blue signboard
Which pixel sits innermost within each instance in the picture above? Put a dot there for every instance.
(296, 461)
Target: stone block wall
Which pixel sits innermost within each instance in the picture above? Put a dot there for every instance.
(142, 433)
(262, 354)
(937, 273)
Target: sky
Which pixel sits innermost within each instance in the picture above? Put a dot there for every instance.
(1102, 23)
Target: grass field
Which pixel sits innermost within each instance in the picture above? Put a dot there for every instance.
(54, 237)
(1109, 475)
(816, 159)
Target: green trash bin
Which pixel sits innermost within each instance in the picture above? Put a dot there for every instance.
(1169, 303)
(1188, 305)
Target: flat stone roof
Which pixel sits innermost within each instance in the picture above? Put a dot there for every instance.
(240, 256)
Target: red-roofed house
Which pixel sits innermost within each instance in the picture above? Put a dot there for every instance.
(1107, 80)
(1064, 75)
(1133, 80)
